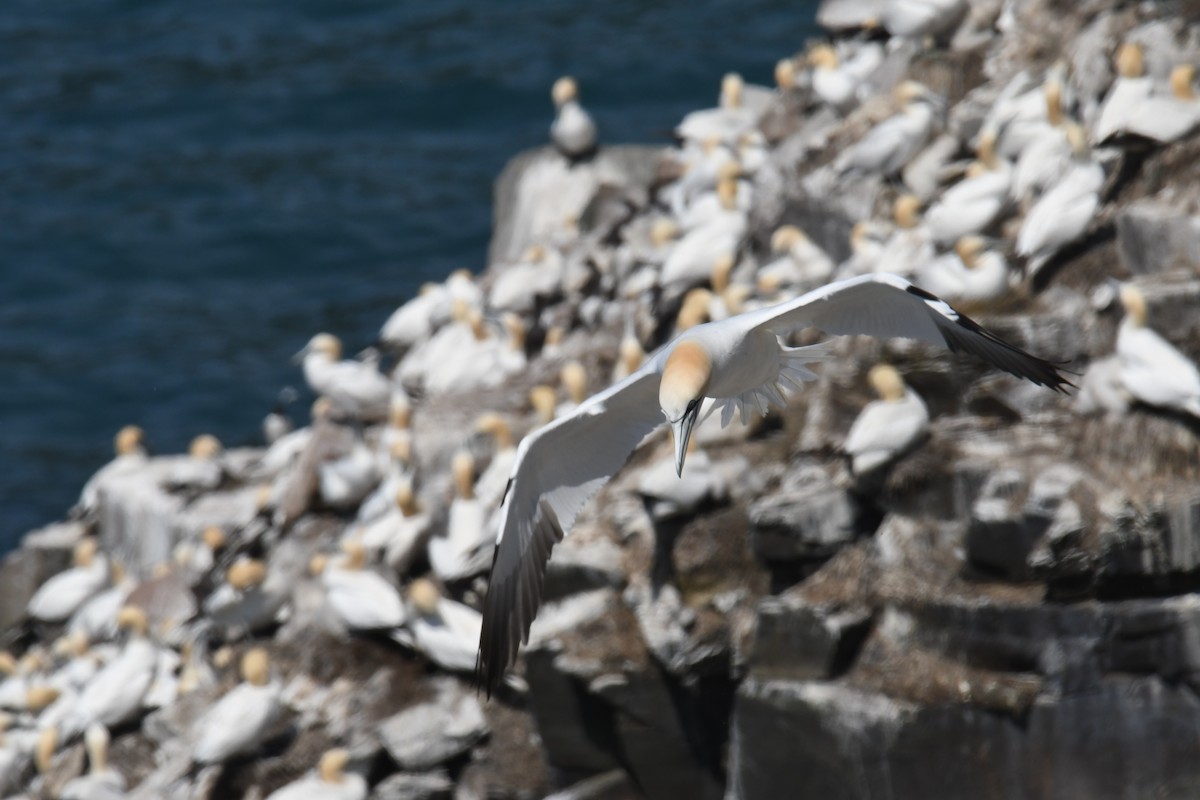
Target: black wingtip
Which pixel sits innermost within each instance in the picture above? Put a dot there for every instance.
(1008, 357)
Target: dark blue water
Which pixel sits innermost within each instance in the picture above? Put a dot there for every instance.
(189, 190)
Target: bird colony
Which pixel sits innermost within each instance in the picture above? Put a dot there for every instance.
(882, 565)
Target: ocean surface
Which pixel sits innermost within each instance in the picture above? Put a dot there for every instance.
(189, 191)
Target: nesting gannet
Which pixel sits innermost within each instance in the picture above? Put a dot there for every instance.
(1041, 164)
(630, 355)
(917, 18)
(115, 695)
(447, 632)
(331, 781)
(1026, 110)
(248, 599)
(238, 721)
(726, 122)
(462, 551)
(343, 482)
(693, 257)
(489, 488)
(362, 599)
(971, 205)
(890, 145)
(1064, 213)
(833, 86)
(356, 388)
(96, 618)
(740, 363)
(432, 308)
(886, 428)
(573, 131)
(1151, 369)
(101, 782)
(200, 470)
(1129, 89)
(1165, 117)
(464, 355)
(63, 594)
(574, 379)
(129, 446)
(800, 262)
(536, 275)
(910, 245)
(730, 197)
(972, 275)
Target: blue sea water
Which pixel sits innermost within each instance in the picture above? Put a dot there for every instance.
(188, 191)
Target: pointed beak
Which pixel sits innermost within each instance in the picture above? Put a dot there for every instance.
(681, 430)
(299, 357)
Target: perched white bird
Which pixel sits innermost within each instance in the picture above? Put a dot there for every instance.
(890, 145)
(972, 275)
(910, 244)
(432, 308)
(356, 388)
(1166, 117)
(201, 470)
(362, 599)
(833, 86)
(741, 364)
(536, 276)
(573, 131)
(445, 631)
(115, 695)
(1129, 90)
(1151, 369)
(725, 123)
(1041, 164)
(917, 18)
(344, 482)
(399, 534)
(101, 782)
(974, 203)
(489, 488)
(693, 257)
(800, 262)
(63, 594)
(1025, 111)
(238, 721)
(129, 447)
(462, 551)
(886, 428)
(331, 782)
(1064, 213)
(250, 598)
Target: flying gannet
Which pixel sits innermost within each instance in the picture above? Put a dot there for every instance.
(742, 365)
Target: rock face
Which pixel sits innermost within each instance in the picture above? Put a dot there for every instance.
(1007, 610)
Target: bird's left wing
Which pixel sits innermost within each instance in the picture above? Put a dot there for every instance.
(886, 305)
(557, 469)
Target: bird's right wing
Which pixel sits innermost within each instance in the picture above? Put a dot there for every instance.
(557, 469)
(886, 305)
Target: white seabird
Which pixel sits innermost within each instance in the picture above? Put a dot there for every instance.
(890, 145)
(1064, 213)
(63, 594)
(363, 600)
(917, 18)
(129, 447)
(573, 131)
(115, 695)
(417, 319)
(1151, 368)
(101, 782)
(800, 262)
(1166, 117)
(356, 388)
(330, 782)
(971, 205)
(447, 632)
(741, 364)
(726, 122)
(461, 552)
(237, 722)
(886, 428)
(1129, 90)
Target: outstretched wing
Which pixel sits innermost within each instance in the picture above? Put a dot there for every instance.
(557, 469)
(886, 305)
